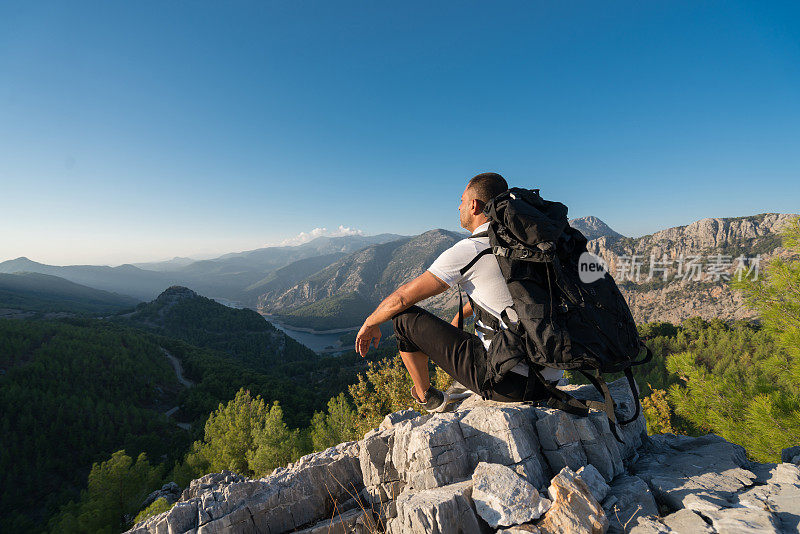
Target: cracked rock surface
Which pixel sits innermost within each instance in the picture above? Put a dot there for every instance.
(504, 498)
(481, 469)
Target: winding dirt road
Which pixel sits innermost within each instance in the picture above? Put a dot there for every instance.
(176, 364)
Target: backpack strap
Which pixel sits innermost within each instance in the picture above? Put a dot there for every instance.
(474, 260)
(491, 322)
(463, 271)
(632, 383)
(646, 358)
(562, 400)
(635, 392)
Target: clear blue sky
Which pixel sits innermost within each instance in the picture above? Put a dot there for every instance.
(132, 131)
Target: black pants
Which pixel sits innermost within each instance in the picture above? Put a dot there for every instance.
(456, 352)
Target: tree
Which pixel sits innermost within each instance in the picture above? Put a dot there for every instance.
(338, 425)
(274, 444)
(776, 297)
(116, 489)
(657, 412)
(386, 388)
(244, 436)
(229, 432)
(744, 385)
(158, 506)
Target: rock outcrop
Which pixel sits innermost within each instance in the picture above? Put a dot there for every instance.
(690, 256)
(502, 467)
(592, 228)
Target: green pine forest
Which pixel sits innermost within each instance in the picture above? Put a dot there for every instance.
(85, 437)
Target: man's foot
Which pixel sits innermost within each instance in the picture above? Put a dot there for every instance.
(435, 400)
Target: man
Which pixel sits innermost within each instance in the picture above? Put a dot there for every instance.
(422, 336)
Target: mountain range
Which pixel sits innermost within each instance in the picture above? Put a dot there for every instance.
(706, 243)
(334, 282)
(228, 276)
(346, 291)
(35, 292)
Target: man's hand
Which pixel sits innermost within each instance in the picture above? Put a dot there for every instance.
(365, 337)
(424, 286)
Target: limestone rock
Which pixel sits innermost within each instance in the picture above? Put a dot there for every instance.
(628, 501)
(295, 496)
(395, 418)
(377, 470)
(420, 460)
(683, 521)
(344, 523)
(780, 494)
(693, 472)
(444, 510)
(742, 520)
(505, 435)
(791, 455)
(527, 528)
(431, 454)
(594, 481)
(170, 492)
(503, 498)
(574, 509)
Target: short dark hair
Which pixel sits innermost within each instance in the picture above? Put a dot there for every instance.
(487, 185)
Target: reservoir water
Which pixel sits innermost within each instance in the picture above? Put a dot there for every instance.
(316, 341)
(325, 342)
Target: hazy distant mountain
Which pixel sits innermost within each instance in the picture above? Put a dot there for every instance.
(230, 276)
(48, 293)
(350, 287)
(317, 247)
(124, 279)
(169, 265)
(592, 227)
(287, 276)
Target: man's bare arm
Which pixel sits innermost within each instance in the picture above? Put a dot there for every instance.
(424, 286)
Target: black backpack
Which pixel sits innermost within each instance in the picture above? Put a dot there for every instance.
(557, 320)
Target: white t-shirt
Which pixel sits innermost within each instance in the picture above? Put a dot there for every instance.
(484, 283)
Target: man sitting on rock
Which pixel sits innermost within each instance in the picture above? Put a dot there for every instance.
(422, 336)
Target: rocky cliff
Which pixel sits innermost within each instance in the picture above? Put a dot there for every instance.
(691, 266)
(511, 468)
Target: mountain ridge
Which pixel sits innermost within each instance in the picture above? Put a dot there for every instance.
(30, 291)
(592, 227)
(755, 234)
(227, 276)
(371, 273)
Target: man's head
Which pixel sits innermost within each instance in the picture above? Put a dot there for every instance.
(480, 190)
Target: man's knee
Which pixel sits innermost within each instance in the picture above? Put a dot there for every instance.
(400, 321)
